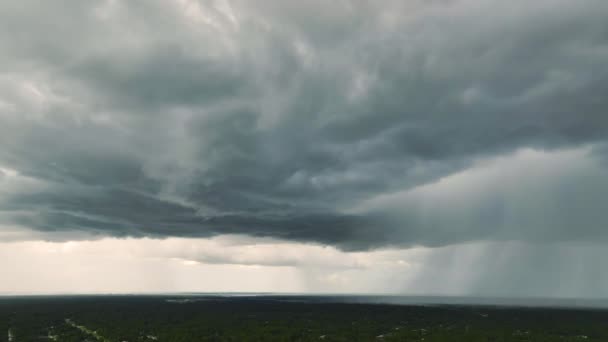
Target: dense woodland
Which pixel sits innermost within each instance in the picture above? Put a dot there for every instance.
(155, 318)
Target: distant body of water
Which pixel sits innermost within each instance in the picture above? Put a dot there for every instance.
(402, 300)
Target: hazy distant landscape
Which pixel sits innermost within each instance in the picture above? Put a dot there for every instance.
(288, 318)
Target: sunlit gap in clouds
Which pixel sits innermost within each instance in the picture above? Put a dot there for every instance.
(224, 263)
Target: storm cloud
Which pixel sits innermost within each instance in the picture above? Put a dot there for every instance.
(357, 124)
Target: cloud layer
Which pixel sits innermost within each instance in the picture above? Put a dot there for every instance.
(353, 123)
(237, 263)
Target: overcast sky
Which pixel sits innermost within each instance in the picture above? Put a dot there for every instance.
(415, 147)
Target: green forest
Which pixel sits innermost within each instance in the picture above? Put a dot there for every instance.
(156, 318)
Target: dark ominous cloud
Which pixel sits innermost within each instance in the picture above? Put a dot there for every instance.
(359, 124)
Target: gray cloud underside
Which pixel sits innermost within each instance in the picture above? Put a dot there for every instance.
(178, 118)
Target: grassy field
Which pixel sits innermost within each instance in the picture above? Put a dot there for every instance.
(157, 318)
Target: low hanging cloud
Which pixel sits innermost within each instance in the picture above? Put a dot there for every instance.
(531, 196)
(358, 124)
